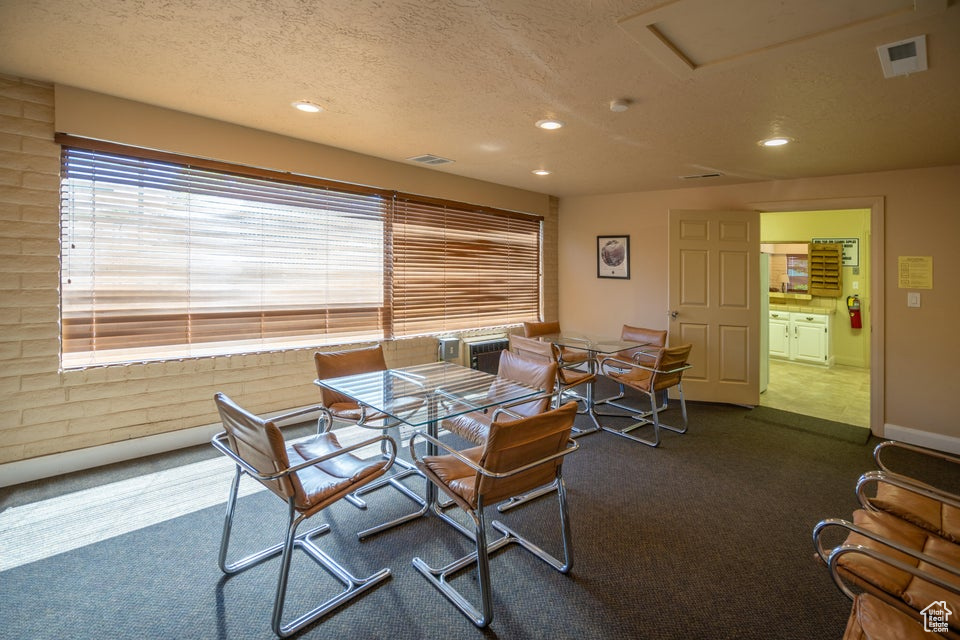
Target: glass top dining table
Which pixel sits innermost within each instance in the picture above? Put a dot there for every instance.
(424, 395)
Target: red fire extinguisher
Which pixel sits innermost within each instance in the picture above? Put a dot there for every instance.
(853, 306)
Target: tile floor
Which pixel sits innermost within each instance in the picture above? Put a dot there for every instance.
(838, 393)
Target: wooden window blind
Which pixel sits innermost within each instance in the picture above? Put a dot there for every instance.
(457, 267)
(164, 260)
(169, 257)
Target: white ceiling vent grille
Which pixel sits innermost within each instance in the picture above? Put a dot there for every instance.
(904, 57)
(699, 176)
(430, 159)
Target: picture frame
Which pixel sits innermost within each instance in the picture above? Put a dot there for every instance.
(613, 257)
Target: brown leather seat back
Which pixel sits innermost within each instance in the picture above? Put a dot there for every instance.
(260, 444)
(333, 364)
(668, 359)
(513, 444)
(534, 350)
(531, 372)
(533, 329)
(654, 338)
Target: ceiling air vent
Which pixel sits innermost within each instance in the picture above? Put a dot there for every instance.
(904, 57)
(430, 159)
(699, 176)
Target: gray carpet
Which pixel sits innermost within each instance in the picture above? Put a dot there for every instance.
(707, 536)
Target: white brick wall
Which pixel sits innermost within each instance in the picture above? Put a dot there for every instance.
(45, 411)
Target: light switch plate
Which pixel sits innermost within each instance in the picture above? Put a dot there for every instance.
(913, 299)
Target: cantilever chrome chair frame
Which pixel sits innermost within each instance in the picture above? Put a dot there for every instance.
(643, 417)
(440, 577)
(353, 586)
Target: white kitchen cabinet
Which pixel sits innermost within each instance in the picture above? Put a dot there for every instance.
(804, 337)
(780, 334)
(811, 337)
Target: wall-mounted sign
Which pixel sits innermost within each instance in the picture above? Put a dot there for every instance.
(915, 272)
(851, 249)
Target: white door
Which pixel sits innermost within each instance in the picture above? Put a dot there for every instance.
(715, 302)
(810, 341)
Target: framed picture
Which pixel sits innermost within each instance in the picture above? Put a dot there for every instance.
(613, 257)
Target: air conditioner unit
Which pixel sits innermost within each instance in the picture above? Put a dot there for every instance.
(483, 352)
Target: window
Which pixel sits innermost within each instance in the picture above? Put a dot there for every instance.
(168, 257)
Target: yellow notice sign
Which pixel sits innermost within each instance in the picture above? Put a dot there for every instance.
(915, 272)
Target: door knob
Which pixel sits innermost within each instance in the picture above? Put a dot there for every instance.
(674, 314)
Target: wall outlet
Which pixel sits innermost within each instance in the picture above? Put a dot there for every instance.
(913, 299)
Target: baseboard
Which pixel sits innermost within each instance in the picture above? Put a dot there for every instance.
(57, 464)
(937, 441)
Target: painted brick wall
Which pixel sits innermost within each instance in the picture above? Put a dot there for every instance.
(44, 410)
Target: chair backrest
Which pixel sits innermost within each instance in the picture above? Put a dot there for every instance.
(533, 350)
(516, 443)
(517, 368)
(333, 364)
(534, 329)
(655, 339)
(259, 443)
(667, 359)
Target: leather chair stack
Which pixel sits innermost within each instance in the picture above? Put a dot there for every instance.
(901, 556)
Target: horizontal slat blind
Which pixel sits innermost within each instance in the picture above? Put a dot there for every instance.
(458, 268)
(165, 260)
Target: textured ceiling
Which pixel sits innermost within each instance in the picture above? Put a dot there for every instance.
(466, 79)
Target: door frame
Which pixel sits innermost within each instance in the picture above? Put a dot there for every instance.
(877, 287)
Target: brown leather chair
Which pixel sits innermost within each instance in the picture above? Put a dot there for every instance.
(547, 353)
(475, 425)
(664, 373)
(517, 457)
(338, 407)
(653, 340)
(901, 565)
(568, 355)
(309, 475)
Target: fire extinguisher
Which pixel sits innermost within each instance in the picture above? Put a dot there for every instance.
(853, 307)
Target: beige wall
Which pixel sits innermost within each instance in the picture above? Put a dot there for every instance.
(921, 218)
(849, 347)
(44, 410)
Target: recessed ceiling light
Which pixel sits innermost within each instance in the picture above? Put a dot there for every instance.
(549, 124)
(541, 172)
(307, 106)
(778, 141)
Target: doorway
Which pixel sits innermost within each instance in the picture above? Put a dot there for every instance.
(839, 388)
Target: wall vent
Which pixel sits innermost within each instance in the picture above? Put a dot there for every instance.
(904, 57)
(430, 159)
(699, 176)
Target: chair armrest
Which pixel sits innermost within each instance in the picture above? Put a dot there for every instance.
(893, 444)
(297, 413)
(572, 445)
(866, 533)
(844, 549)
(219, 442)
(904, 482)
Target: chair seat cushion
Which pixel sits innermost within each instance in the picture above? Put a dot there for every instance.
(324, 481)
(456, 475)
(636, 377)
